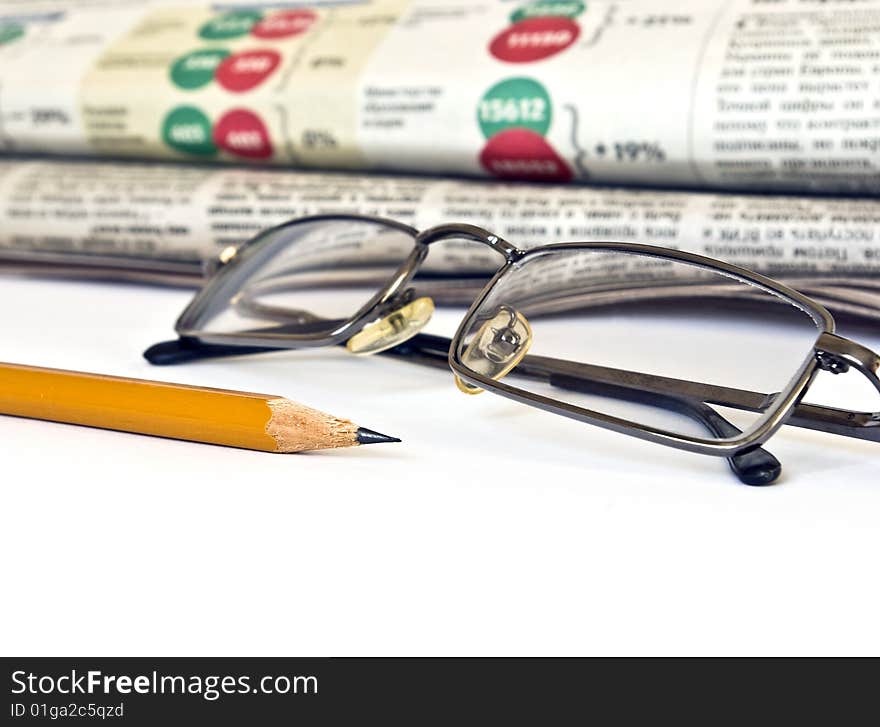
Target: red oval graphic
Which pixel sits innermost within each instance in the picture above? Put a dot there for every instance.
(243, 71)
(284, 24)
(523, 154)
(243, 133)
(534, 39)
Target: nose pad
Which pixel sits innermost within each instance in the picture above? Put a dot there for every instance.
(498, 346)
(213, 264)
(396, 327)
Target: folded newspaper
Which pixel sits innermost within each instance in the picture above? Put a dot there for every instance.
(161, 222)
(739, 94)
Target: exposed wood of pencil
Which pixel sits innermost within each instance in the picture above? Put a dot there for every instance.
(199, 414)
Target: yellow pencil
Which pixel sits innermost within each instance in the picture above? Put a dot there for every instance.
(194, 413)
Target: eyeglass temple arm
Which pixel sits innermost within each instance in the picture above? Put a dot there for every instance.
(834, 353)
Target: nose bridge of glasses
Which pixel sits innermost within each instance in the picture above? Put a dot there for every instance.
(473, 233)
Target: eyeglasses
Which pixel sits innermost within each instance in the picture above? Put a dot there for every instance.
(663, 345)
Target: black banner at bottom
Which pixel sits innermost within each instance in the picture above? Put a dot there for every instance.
(268, 691)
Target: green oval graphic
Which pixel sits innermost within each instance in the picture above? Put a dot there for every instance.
(549, 8)
(515, 103)
(188, 130)
(10, 32)
(230, 25)
(196, 69)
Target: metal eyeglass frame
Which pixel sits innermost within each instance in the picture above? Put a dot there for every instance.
(749, 461)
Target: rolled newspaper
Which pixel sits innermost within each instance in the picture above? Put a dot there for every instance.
(735, 94)
(161, 222)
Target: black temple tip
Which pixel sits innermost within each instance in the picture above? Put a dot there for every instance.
(170, 352)
(184, 350)
(755, 467)
(368, 436)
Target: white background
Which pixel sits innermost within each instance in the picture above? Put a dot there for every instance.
(493, 529)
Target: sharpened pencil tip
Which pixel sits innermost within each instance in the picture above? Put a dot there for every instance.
(368, 436)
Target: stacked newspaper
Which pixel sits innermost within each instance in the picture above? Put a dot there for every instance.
(752, 96)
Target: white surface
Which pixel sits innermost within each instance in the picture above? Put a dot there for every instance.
(494, 528)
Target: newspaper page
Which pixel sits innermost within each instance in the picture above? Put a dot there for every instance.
(162, 222)
(740, 94)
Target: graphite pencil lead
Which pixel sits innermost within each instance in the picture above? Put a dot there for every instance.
(368, 436)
